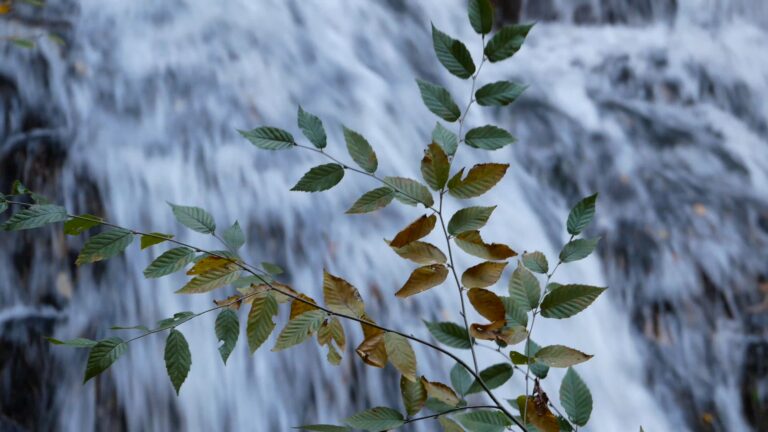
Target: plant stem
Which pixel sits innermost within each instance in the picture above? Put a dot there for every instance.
(450, 411)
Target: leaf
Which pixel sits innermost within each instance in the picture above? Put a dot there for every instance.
(481, 15)
(372, 349)
(372, 201)
(422, 279)
(484, 421)
(516, 314)
(361, 151)
(441, 392)
(581, 215)
(439, 101)
(500, 333)
(452, 54)
(421, 253)
(260, 324)
(524, 288)
(480, 179)
(472, 243)
(194, 218)
(234, 237)
(341, 297)
(312, 128)
(208, 263)
(211, 280)
(578, 249)
(298, 306)
(536, 262)
(520, 359)
(169, 262)
(400, 354)
(449, 425)
(494, 377)
(332, 330)
(483, 275)
(324, 428)
(103, 355)
(488, 137)
(575, 398)
(469, 219)
(415, 231)
(177, 319)
(34, 217)
(561, 356)
(269, 138)
(409, 191)
(538, 414)
(435, 167)
(537, 368)
(22, 42)
(79, 224)
(178, 359)
(499, 93)
(461, 379)
(155, 238)
(506, 42)
(76, 342)
(568, 300)
(487, 304)
(448, 333)
(298, 329)
(320, 178)
(227, 330)
(104, 246)
(445, 139)
(376, 419)
(272, 269)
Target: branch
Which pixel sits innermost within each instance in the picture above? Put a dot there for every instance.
(450, 411)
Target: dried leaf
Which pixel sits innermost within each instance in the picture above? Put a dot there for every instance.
(207, 264)
(480, 179)
(471, 243)
(341, 297)
(421, 253)
(487, 304)
(483, 275)
(441, 392)
(298, 307)
(400, 354)
(422, 279)
(415, 231)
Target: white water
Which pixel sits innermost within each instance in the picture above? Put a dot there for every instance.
(153, 92)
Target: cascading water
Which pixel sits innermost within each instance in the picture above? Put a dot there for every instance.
(658, 105)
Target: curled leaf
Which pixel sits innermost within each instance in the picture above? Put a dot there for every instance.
(472, 243)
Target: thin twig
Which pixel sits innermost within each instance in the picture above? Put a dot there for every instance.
(450, 411)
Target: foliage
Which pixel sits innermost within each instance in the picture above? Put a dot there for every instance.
(508, 320)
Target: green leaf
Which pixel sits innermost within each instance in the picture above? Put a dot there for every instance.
(439, 101)
(536, 262)
(499, 93)
(409, 191)
(269, 138)
(469, 219)
(581, 215)
(519, 358)
(414, 395)
(461, 379)
(400, 354)
(452, 54)
(484, 421)
(445, 139)
(376, 419)
(324, 428)
(22, 42)
(506, 42)
(76, 342)
(79, 224)
(299, 329)
(568, 300)
(103, 355)
(524, 288)
(312, 128)
(448, 333)
(272, 269)
(361, 151)
(449, 425)
(104, 246)
(479, 180)
(515, 314)
(481, 15)
(488, 138)
(320, 178)
(194, 218)
(178, 359)
(537, 368)
(435, 167)
(575, 398)
(227, 330)
(494, 377)
(578, 249)
(35, 217)
(154, 238)
(260, 324)
(561, 356)
(177, 319)
(234, 236)
(169, 262)
(372, 201)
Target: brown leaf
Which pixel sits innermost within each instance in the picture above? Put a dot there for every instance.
(441, 392)
(483, 275)
(496, 331)
(538, 414)
(372, 349)
(480, 179)
(341, 297)
(332, 330)
(487, 304)
(435, 167)
(421, 253)
(207, 264)
(232, 302)
(422, 279)
(472, 243)
(262, 289)
(416, 230)
(298, 307)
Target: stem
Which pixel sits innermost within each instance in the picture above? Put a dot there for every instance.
(450, 411)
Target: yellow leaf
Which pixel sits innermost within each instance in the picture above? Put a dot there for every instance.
(400, 354)
(6, 7)
(341, 297)
(207, 264)
(211, 279)
(372, 349)
(416, 230)
(480, 179)
(421, 253)
(487, 304)
(298, 307)
(538, 414)
(472, 243)
(483, 275)
(441, 392)
(332, 330)
(422, 279)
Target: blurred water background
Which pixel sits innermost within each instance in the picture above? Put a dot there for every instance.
(661, 106)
